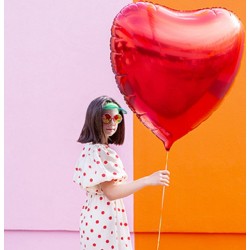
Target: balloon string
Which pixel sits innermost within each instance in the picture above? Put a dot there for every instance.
(162, 203)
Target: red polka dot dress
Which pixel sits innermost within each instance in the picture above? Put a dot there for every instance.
(103, 223)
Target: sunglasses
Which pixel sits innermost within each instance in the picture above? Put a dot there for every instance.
(106, 118)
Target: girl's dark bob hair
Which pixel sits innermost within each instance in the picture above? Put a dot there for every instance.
(92, 129)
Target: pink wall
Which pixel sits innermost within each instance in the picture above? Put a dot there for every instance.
(56, 61)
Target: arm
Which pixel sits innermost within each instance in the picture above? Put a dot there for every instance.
(115, 191)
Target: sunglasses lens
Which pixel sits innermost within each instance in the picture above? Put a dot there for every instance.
(106, 118)
(118, 118)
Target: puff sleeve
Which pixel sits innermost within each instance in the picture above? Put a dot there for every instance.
(98, 163)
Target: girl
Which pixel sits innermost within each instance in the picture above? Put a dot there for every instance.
(99, 170)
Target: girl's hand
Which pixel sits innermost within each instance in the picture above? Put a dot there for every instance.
(158, 178)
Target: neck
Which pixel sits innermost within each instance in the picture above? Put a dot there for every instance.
(104, 140)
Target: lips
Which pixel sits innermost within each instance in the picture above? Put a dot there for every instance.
(110, 129)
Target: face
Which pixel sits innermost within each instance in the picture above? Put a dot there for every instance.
(110, 128)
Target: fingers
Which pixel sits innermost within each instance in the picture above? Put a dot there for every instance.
(164, 177)
(164, 172)
(161, 177)
(164, 181)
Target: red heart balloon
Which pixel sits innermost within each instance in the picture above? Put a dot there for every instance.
(174, 67)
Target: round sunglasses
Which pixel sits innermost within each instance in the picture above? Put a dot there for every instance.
(107, 118)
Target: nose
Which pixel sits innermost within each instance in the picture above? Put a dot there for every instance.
(112, 122)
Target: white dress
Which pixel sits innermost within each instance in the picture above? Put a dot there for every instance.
(103, 223)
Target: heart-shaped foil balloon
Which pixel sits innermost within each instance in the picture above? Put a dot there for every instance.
(174, 67)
